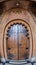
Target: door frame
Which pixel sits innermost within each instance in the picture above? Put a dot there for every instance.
(14, 22)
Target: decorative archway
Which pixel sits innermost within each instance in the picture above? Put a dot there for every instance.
(24, 17)
(17, 39)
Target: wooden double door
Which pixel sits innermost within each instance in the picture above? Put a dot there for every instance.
(17, 42)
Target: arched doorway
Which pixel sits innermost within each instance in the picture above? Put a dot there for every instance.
(17, 39)
(17, 42)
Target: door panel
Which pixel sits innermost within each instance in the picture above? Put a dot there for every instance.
(13, 49)
(17, 43)
(22, 45)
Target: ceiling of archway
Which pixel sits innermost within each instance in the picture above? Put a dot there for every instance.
(6, 0)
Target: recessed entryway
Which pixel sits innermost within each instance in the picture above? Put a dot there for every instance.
(17, 38)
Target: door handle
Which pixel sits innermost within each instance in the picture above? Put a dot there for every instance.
(9, 48)
(27, 48)
(20, 44)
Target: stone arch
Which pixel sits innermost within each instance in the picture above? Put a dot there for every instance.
(15, 14)
(20, 22)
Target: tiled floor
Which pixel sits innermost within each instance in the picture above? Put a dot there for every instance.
(17, 64)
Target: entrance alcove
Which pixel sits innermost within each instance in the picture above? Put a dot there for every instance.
(17, 34)
(17, 37)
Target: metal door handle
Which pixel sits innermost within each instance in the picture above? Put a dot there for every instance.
(9, 48)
